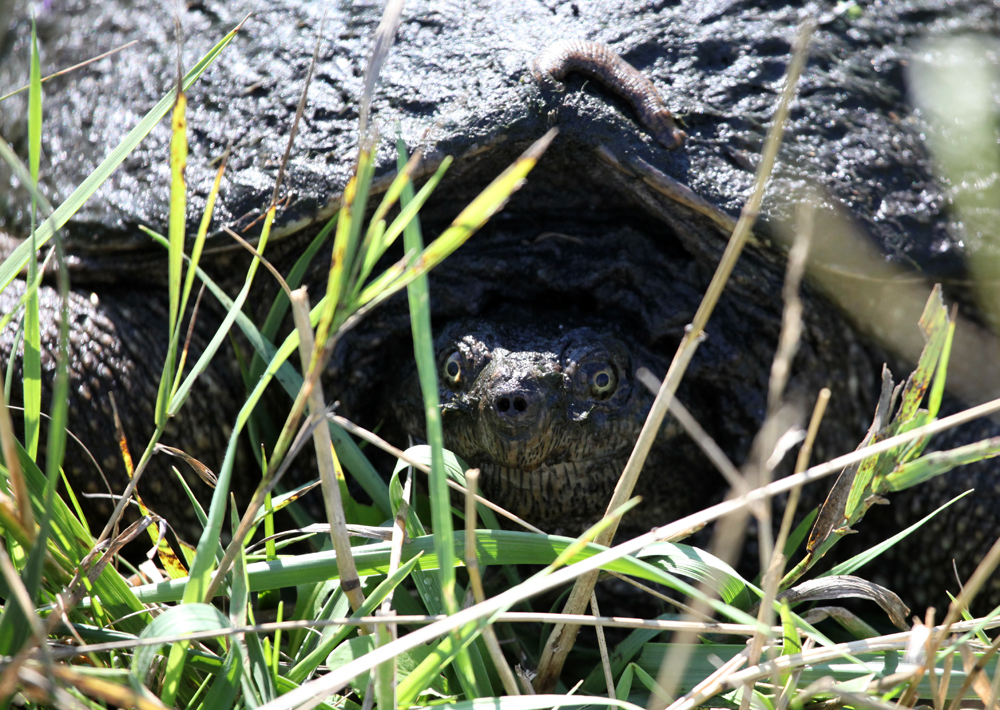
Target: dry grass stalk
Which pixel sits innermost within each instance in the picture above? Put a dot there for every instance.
(562, 638)
(325, 459)
(476, 582)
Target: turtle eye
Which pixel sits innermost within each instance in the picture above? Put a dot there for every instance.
(453, 370)
(602, 381)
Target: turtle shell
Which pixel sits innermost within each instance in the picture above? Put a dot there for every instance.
(458, 83)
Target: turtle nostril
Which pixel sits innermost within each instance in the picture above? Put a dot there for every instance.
(511, 406)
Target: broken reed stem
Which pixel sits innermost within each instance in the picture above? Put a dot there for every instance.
(325, 459)
(944, 685)
(791, 318)
(698, 435)
(788, 345)
(800, 465)
(562, 638)
(973, 675)
(476, 582)
(602, 645)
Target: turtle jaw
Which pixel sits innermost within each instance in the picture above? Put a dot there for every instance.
(560, 497)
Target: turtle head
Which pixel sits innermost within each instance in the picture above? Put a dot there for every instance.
(549, 414)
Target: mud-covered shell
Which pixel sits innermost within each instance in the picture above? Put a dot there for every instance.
(458, 83)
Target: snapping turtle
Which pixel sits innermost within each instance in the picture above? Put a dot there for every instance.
(614, 233)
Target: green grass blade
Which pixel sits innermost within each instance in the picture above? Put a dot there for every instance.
(56, 444)
(798, 536)
(377, 234)
(851, 565)
(70, 543)
(624, 687)
(704, 567)
(345, 247)
(175, 254)
(14, 625)
(258, 685)
(937, 389)
(934, 324)
(32, 361)
(620, 659)
(468, 663)
(455, 468)
(18, 259)
(196, 250)
(405, 663)
(474, 216)
(188, 618)
(423, 351)
(204, 560)
(181, 395)
(381, 242)
(34, 109)
(177, 222)
(389, 199)
(385, 674)
(495, 547)
(173, 671)
(15, 344)
(443, 654)
(324, 600)
(279, 309)
(928, 466)
(58, 421)
(412, 206)
(199, 242)
(648, 681)
(226, 685)
(428, 585)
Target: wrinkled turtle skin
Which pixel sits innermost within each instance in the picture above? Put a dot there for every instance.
(612, 232)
